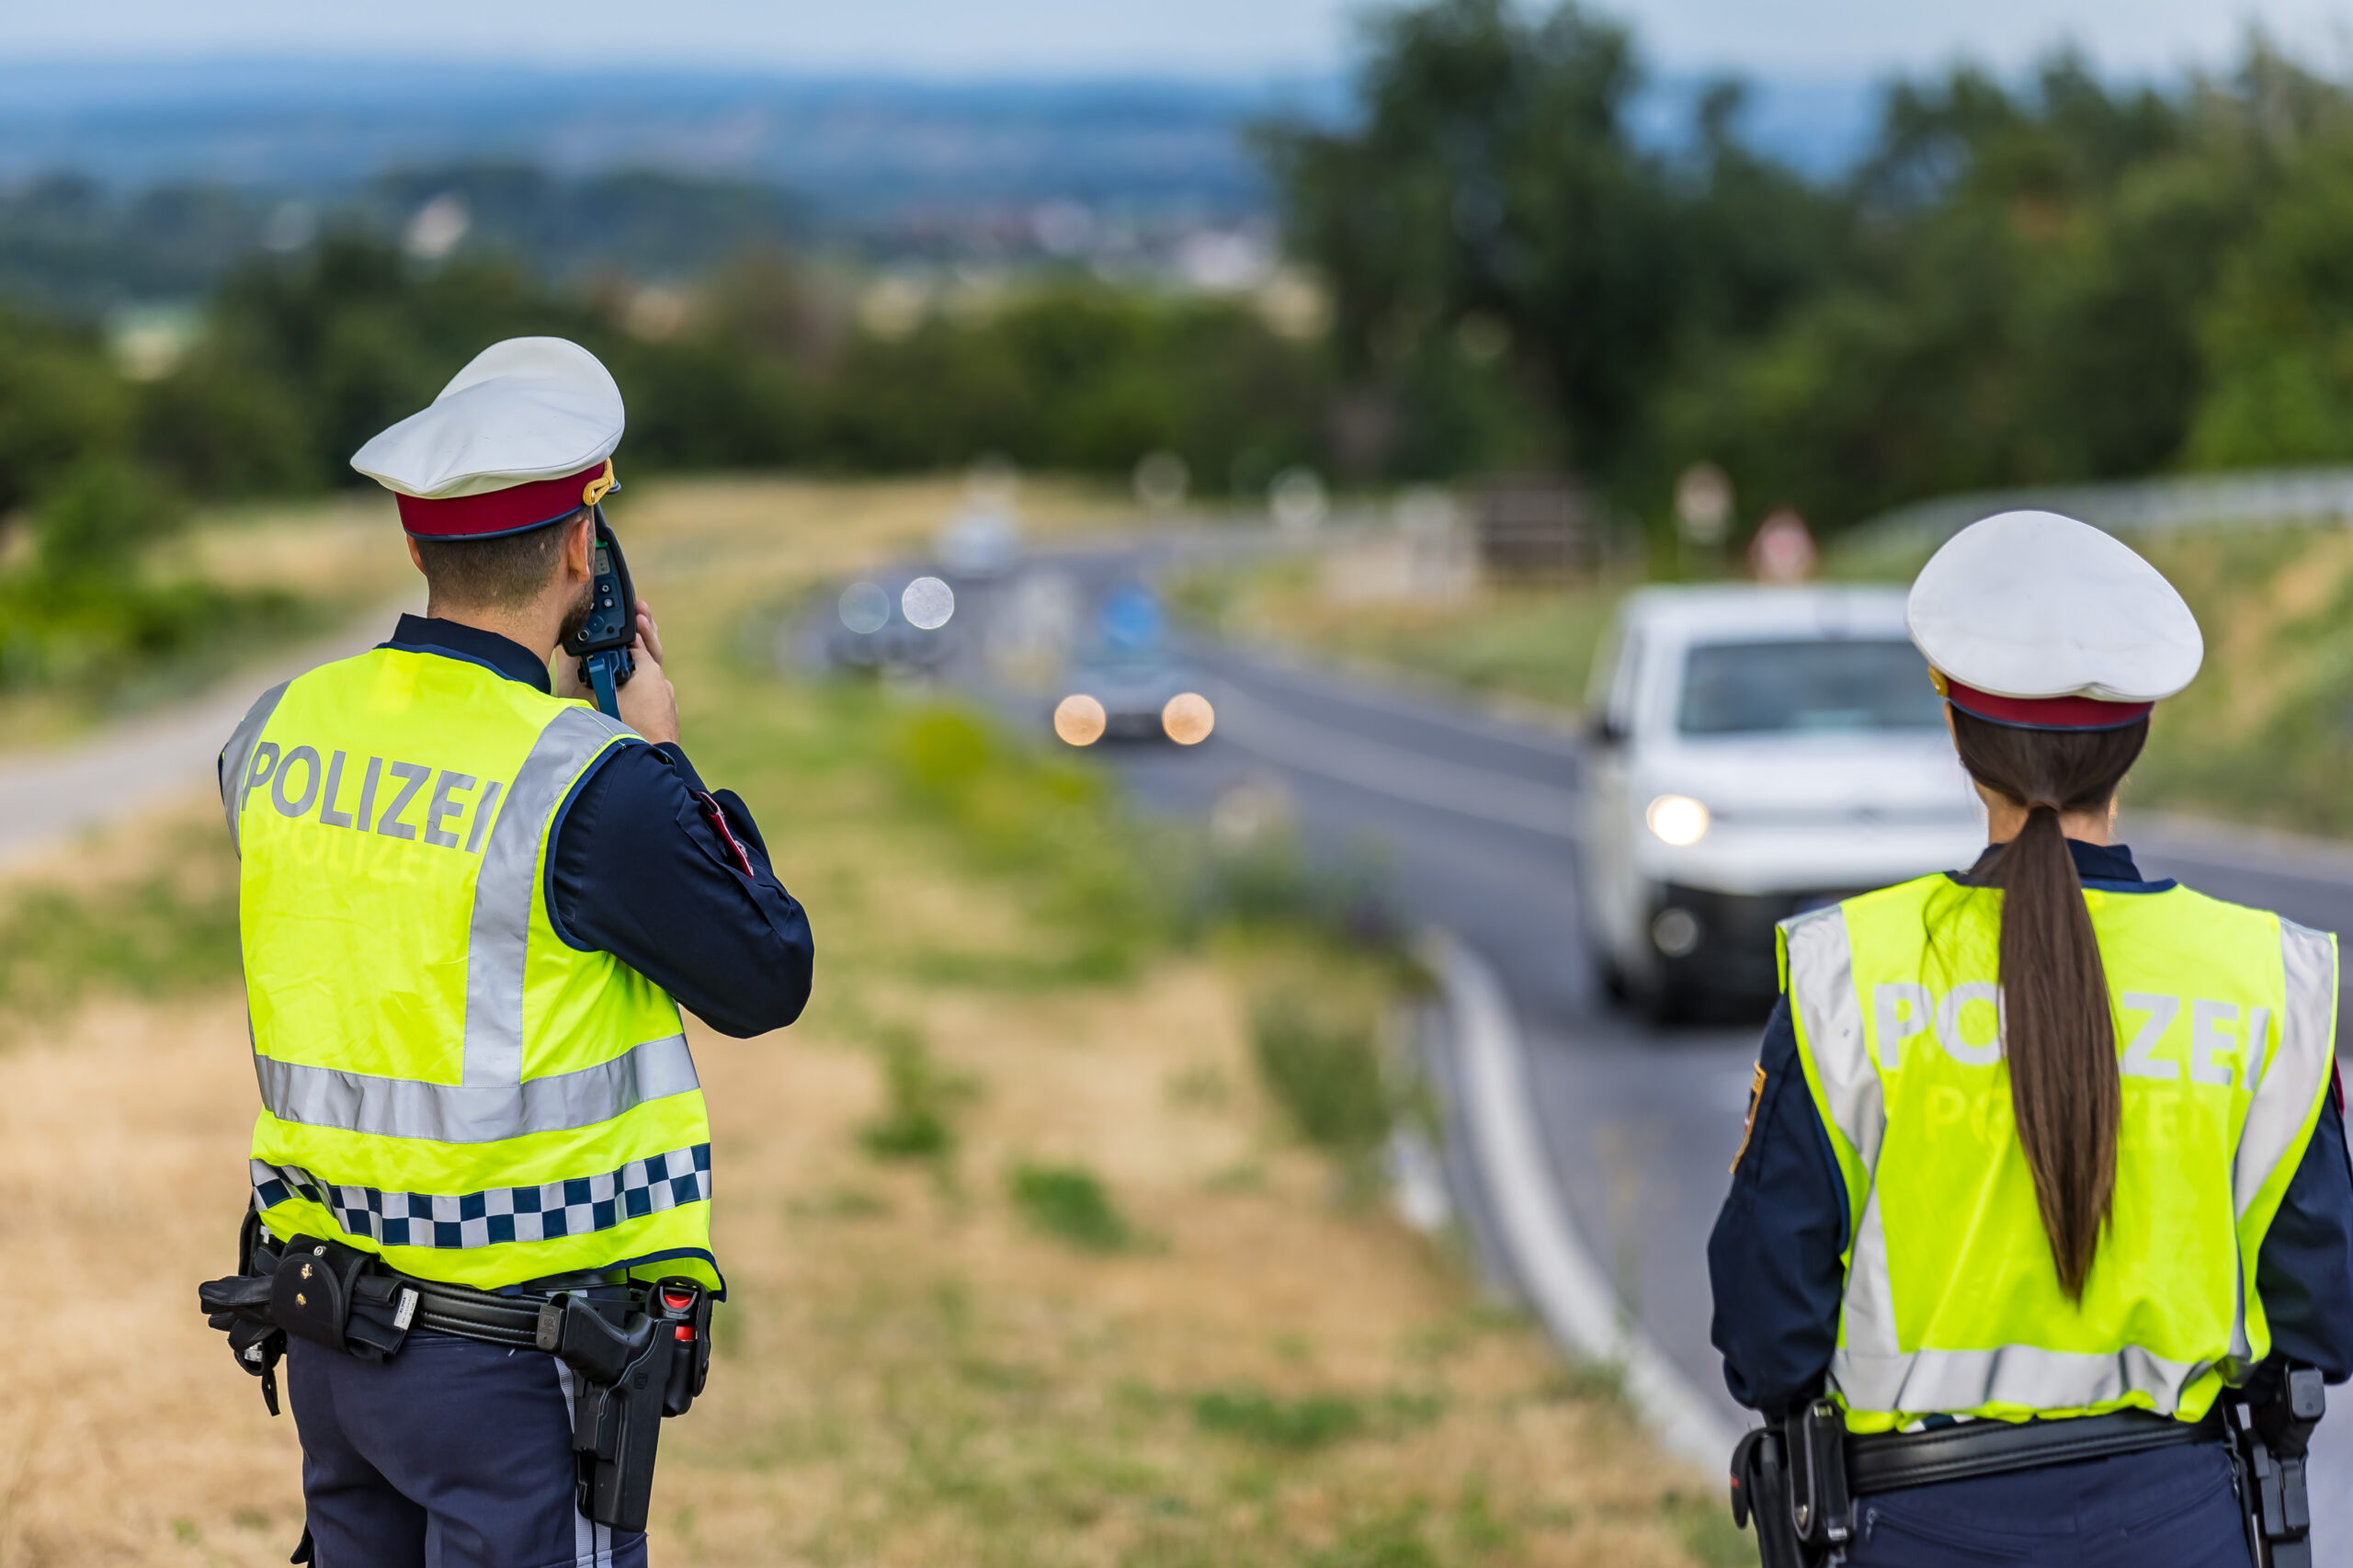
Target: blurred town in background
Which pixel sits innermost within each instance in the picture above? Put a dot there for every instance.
(1217, 1138)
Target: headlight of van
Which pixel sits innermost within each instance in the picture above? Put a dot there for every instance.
(1677, 819)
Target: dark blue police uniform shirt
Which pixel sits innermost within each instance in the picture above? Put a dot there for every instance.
(636, 870)
(1774, 1259)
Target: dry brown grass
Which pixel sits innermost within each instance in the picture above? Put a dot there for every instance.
(909, 1373)
(918, 1378)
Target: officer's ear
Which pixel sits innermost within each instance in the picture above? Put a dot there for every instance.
(579, 534)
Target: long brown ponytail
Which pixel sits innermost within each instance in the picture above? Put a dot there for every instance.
(2058, 1026)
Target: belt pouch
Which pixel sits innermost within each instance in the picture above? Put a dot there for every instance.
(383, 1307)
(311, 1293)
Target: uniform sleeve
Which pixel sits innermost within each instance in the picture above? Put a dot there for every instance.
(2304, 1271)
(1775, 1259)
(638, 870)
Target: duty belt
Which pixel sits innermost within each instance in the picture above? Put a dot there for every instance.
(1796, 1480)
(1893, 1460)
(638, 1353)
(510, 1321)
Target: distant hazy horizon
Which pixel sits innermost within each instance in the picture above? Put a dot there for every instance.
(1224, 39)
(291, 124)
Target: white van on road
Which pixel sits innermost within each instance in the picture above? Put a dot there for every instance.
(1755, 752)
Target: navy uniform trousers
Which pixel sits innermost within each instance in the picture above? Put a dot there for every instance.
(452, 1454)
(2167, 1508)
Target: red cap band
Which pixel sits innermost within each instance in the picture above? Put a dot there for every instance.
(504, 511)
(2045, 712)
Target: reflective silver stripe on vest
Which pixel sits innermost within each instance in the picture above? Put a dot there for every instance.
(492, 1101)
(236, 757)
(2019, 1375)
(446, 1113)
(2296, 1072)
(1822, 990)
(501, 930)
(1829, 1009)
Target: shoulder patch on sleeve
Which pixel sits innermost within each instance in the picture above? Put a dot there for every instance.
(1748, 1123)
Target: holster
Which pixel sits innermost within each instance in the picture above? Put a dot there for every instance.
(1791, 1483)
(632, 1368)
(2269, 1436)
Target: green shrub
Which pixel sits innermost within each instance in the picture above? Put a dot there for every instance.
(1070, 1204)
(1050, 821)
(1313, 1421)
(1324, 1071)
(918, 1121)
(98, 518)
(1396, 1542)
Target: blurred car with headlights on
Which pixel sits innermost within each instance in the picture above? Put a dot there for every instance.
(1754, 753)
(1130, 687)
(901, 628)
(1133, 697)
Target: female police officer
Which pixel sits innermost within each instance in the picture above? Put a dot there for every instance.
(2042, 1157)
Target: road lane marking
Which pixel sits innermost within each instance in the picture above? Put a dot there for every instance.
(1416, 704)
(1568, 1288)
(1310, 747)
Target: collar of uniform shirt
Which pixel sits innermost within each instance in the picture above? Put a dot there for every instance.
(2105, 865)
(2104, 862)
(431, 634)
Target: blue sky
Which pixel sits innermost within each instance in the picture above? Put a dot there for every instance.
(964, 38)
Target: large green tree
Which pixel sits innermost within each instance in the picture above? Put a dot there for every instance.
(1491, 197)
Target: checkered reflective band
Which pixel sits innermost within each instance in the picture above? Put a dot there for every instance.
(574, 1207)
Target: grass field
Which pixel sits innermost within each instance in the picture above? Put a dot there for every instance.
(1031, 1266)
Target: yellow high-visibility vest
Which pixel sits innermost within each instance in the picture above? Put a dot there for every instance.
(446, 1079)
(2225, 1019)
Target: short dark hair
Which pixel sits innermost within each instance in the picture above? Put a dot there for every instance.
(502, 571)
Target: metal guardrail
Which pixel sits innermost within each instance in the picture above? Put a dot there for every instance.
(2303, 497)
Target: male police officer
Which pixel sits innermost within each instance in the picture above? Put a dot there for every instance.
(468, 900)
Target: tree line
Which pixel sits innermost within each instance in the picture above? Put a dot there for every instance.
(2053, 278)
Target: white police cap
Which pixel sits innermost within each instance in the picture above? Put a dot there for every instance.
(2036, 619)
(533, 419)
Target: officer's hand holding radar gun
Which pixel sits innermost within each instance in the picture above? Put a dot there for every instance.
(2040, 1244)
(474, 897)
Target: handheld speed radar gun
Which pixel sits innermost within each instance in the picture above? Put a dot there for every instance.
(602, 643)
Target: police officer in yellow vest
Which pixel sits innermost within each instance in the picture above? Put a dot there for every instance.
(471, 905)
(2046, 1164)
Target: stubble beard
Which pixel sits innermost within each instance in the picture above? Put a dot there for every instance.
(577, 616)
